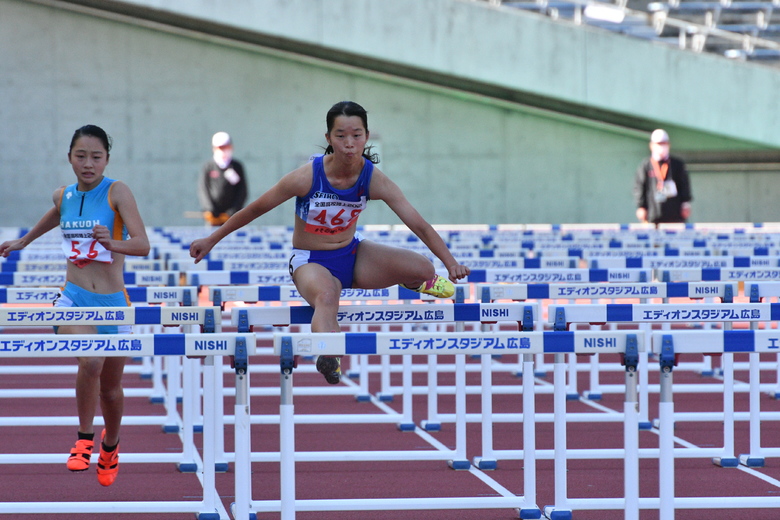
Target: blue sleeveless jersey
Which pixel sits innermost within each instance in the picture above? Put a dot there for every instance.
(328, 211)
(80, 211)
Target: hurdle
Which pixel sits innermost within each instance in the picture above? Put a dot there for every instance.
(377, 314)
(207, 317)
(464, 343)
(668, 344)
(196, 345)
(725, 313)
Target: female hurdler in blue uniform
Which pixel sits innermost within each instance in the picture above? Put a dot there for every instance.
(331, 192)
(100, 224)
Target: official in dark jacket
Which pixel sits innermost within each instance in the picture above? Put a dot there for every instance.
(662, 188)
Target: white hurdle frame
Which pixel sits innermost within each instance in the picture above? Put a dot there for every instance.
(207, 317)
(194, 345)
(406, 343)
(667, 344)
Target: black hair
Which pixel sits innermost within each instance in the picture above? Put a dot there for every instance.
(349, 108)
(91, 131)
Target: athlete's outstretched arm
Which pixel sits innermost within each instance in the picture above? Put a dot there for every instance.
(383, 188)
(49, 221)
(295, 183)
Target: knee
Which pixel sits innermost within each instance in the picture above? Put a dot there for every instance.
(327, 298)
(90, 367)
(111, 395)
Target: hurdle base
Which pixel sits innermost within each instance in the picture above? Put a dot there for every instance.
(540, 373)
(430, 426)
(572, 397)
(557, 514)
(385, 398)
(362, 398)
(207, 516)
(406, 427)
(777, 395)
(145, 376)
(486, 464)
(645, 425)
(353, 374)
(221, 467)
(530, 514)
(751, 462)
(187, 467)
(707, 373)
(197, 428)
(594, 396)
(157, 399)
(171, 428)
(726, 462)
(252, 516)
(459, 465)
(518, 374)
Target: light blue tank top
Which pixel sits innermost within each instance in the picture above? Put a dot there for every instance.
(80, 211)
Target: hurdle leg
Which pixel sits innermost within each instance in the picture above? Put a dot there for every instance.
(459, 461)
(287, 447)
(432, 424)
(188, 463)
(218, 396)
(666, 447)
(487, 460)
(755, 458)
(359, 367)
(211, 500)
(385, 394)
(529, 440)
(173, 371)
(631, 446)
(407, 422)
(644, 377)
(572, 393)
(559, 511)
(158, 387)
(728, 459)
(242, 433)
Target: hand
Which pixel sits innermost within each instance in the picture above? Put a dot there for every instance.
(11, 245)
(641, 214)
(685, 210)
(458, 271)
(103, 236)
(200, 248)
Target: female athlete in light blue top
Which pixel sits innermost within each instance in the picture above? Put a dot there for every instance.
(331, 191)
(100, 224)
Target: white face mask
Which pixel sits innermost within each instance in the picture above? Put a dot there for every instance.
(659, 151)
(223, 156)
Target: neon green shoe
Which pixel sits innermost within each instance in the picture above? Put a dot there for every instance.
(438, 286)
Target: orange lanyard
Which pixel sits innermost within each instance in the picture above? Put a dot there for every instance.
(660, 171)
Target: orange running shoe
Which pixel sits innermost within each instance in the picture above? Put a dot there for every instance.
(108, 464)
(80, 455)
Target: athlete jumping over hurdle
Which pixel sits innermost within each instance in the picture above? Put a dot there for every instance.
(100, 224)
(328, 253)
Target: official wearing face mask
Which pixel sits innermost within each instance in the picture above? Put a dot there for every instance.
(222, 187)
(662, 188)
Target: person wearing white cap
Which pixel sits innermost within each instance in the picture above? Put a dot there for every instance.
(662, 188)
(222, 186)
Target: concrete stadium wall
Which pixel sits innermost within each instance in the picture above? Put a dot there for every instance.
(459, 157)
